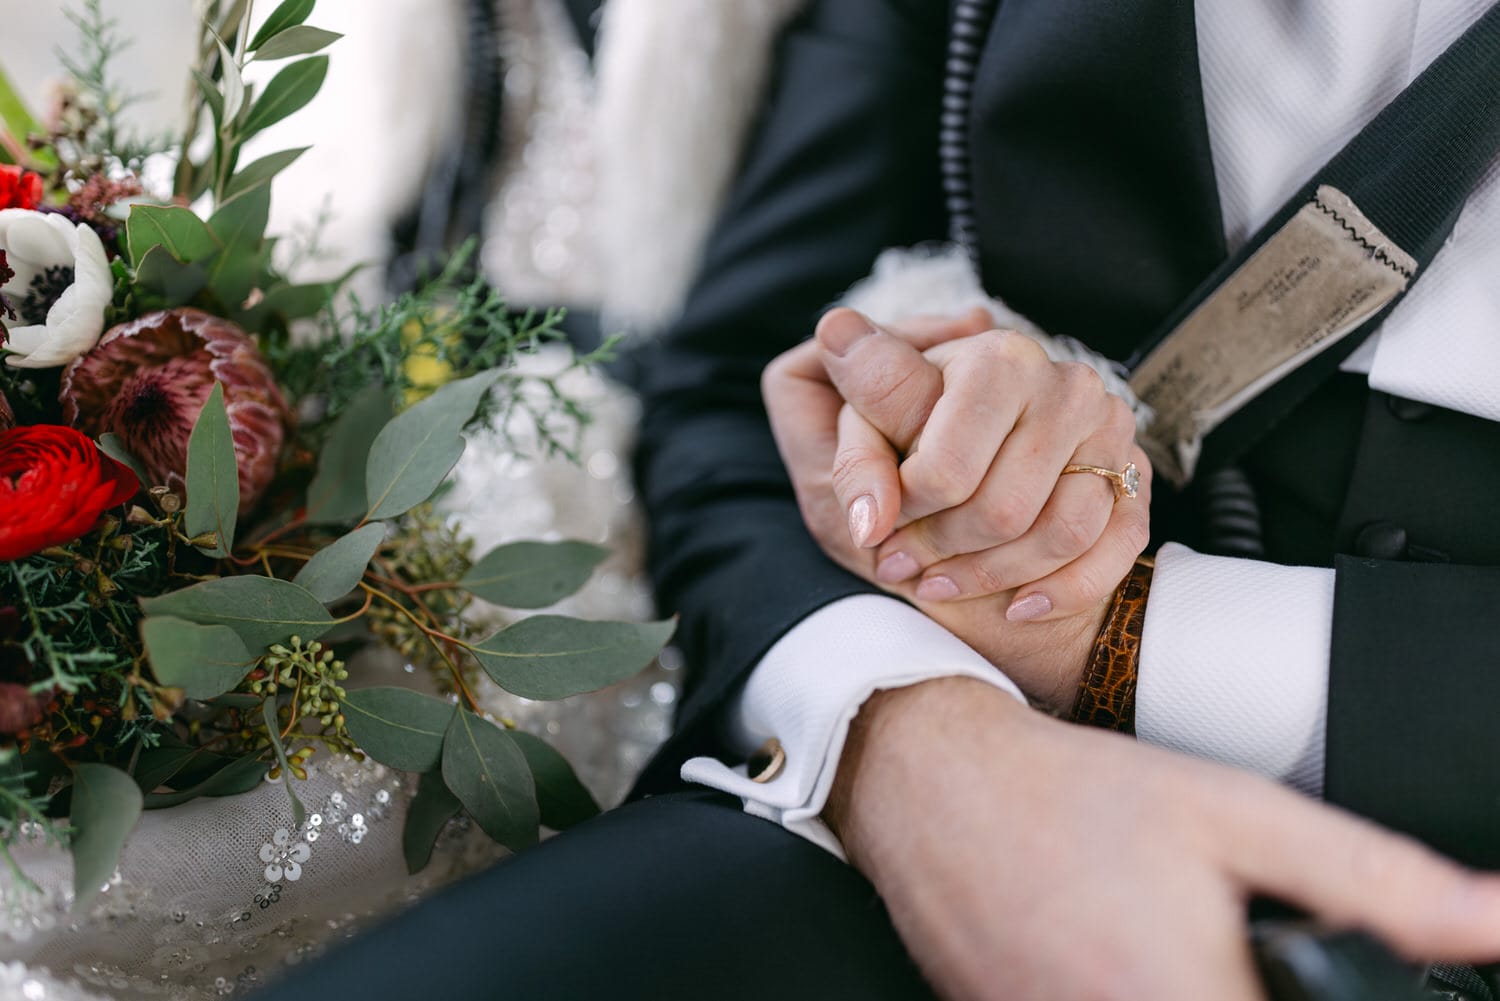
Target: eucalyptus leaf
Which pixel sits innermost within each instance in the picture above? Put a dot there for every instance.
(162, 274)
(562, 799)
(337, 492)
(212, 95)
(240, 225)
(553, 656)
(299, 41)
(185, 236)
(238, 776)
(289, 14)
(204, 661)
(296, 301)
(273, 733)
(414, 453)
(233, 84)
(262, 170)
(213, 478)
(532, 574)
(488, 773)
(156, 766)
(337, 568)
(111, 445)
(287, 92)
(397, 726)
(106, 804)
(426, 816)
(261, 610)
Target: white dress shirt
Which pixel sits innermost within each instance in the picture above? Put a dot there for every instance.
(1234, 654)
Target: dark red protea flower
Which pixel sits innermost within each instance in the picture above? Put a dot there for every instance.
(147, 380)
(7, 415)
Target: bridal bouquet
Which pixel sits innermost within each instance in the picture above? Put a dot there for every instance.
(215, 486)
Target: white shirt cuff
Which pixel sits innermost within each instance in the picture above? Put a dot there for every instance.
(809, 687)
(1234, 663)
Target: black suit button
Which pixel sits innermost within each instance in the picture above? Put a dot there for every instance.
(1408, 410)
(1381, 540)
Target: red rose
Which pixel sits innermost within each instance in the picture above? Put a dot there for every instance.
(54, 485)
(19, 189)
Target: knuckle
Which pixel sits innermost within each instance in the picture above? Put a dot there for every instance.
(1135, 536)
(1087, 584)
(941, 476)
(987, 579)
(1120, 419)
(1079, 381)
(1073, 532)
(1007, 514)
(851, 468)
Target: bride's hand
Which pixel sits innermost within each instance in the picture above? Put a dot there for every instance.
(979, 506)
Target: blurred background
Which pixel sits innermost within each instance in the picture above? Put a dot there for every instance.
(585, 143)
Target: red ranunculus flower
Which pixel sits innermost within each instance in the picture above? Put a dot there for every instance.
(146, 381)
(19, 189)
(54, 485)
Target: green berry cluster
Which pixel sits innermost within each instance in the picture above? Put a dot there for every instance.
(310, 674)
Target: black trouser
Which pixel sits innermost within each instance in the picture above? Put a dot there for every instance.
(677, 896)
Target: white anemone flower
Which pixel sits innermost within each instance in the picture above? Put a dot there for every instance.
(61, 288)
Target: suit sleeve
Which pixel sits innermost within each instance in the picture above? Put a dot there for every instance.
(843, 164)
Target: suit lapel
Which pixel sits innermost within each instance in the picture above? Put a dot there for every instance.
(1093, 182)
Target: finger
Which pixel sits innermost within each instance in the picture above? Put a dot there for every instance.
(865, 479)
(1352, 873)
(803, 408)
(923, 332)
(1072, 527)
(1006, 505)
(964, 433)
(1091, 578)
(885, 379)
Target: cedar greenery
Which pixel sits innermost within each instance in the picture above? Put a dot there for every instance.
(174, 652)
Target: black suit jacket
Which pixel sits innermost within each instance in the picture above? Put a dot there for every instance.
(1096, 214)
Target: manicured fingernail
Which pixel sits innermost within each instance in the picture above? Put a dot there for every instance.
(842, 332)
(896, 568)
(937, 589)
(1032, 606)
(862, 520)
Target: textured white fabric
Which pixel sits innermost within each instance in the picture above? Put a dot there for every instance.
(1234, 663)
(940, 281)
(1285, 85)
(808, 688)
(678, 84)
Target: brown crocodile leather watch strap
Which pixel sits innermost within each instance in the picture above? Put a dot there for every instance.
(1106, 697)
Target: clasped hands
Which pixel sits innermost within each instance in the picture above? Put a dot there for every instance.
(1021, 857)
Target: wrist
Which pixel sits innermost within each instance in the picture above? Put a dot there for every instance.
(903, 743)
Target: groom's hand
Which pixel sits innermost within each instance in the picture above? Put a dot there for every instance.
(830, 449)
(1020, 857)
(980, 483)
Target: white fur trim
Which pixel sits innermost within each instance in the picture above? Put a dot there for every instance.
(678, 85)
(938, 280)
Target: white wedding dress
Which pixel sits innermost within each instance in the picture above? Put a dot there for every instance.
(214, 897)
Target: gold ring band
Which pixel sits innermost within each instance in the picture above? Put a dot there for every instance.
(1127, 481)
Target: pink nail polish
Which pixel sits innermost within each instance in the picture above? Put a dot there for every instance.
(1032, 606)
(862, 520)
(937, 589)
(896, 568)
